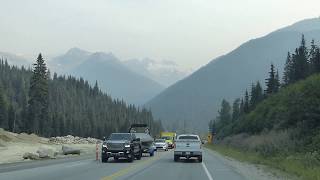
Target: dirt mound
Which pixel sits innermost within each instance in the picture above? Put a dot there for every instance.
(6, 136)
(31, 138)
(2, 144)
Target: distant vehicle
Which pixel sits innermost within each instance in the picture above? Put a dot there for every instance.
(188, 146)
(169, 137)
(121, 145)
(161, 144)
(142, 131)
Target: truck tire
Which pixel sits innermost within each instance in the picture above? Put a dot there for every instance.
(139, 155)
(151, 153)
(200, 159)
(176, 158)
(131, 158)
(104, 159)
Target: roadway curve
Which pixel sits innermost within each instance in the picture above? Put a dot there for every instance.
(159, 167)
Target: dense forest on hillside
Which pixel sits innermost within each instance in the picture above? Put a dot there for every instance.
(34, 101)
(285, 117)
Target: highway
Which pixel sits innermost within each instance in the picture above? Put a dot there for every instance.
(159, 167)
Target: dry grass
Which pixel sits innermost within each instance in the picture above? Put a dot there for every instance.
(277, 149)
(266, 144)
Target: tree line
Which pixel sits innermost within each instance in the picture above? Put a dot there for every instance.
(231, 119)
(34, 101)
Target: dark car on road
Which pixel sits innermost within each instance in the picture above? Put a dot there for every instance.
(121, 145)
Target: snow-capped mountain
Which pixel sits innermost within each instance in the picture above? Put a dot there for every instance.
(164, 72)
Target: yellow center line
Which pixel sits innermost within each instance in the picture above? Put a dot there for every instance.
(131, 168)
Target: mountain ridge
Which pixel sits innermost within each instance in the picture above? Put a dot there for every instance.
(110, 73)
(196, 98)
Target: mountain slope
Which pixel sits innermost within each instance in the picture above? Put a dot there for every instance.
(14, 59)
(66, 62)
(112, 76)
(196, 99)
(75, 107)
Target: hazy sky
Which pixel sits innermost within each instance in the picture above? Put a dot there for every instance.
(190, 32)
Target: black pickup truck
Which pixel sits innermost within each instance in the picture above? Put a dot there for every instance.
(121, 145)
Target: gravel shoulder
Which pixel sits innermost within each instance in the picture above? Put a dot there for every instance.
(13, 146)
(253, 171)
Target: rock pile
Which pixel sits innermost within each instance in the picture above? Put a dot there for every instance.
(69, 139)
(42, 153)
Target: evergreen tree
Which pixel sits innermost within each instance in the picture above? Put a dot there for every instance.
(316, 62)
(225, 112)
(288, 70)
(301, 66)
(38, 102)
(277, 82)
(3, 110)
(314, 59)
(241, 107)
(272, 82)
(311, 56)
(256, 95)
(75, 107)
(236, 109)
(11, 119)
(246, 105)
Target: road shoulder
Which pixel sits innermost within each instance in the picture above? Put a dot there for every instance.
(251, 171)
(14, 166)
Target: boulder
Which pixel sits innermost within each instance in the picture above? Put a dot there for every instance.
(70, 150)
(31, 156)
(46, 153)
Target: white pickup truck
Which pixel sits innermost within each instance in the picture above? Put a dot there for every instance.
(188, 146)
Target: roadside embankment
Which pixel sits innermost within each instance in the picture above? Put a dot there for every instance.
(295, 166)
(23, 147)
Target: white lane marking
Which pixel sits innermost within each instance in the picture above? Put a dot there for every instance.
(207, 172)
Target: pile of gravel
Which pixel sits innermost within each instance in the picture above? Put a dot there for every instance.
(69, 139)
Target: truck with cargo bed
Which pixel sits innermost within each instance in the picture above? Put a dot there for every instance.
(147, 142)
(121, 145)
(188, 146)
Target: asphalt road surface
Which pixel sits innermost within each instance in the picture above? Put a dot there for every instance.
(159, 167)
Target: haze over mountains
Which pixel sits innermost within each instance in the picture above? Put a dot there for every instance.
(135, 81)
(13, 59)
(110, 73)
(163, 72)
(194, 100)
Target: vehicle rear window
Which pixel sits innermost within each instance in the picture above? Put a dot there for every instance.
(189, 137)
(167, 137)
(160, 140)
(119, 136)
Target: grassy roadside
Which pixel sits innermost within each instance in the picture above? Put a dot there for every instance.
(297, 165)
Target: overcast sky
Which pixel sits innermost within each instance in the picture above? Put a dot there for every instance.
(189, 32)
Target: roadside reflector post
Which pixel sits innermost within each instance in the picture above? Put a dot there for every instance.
(97, 151)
